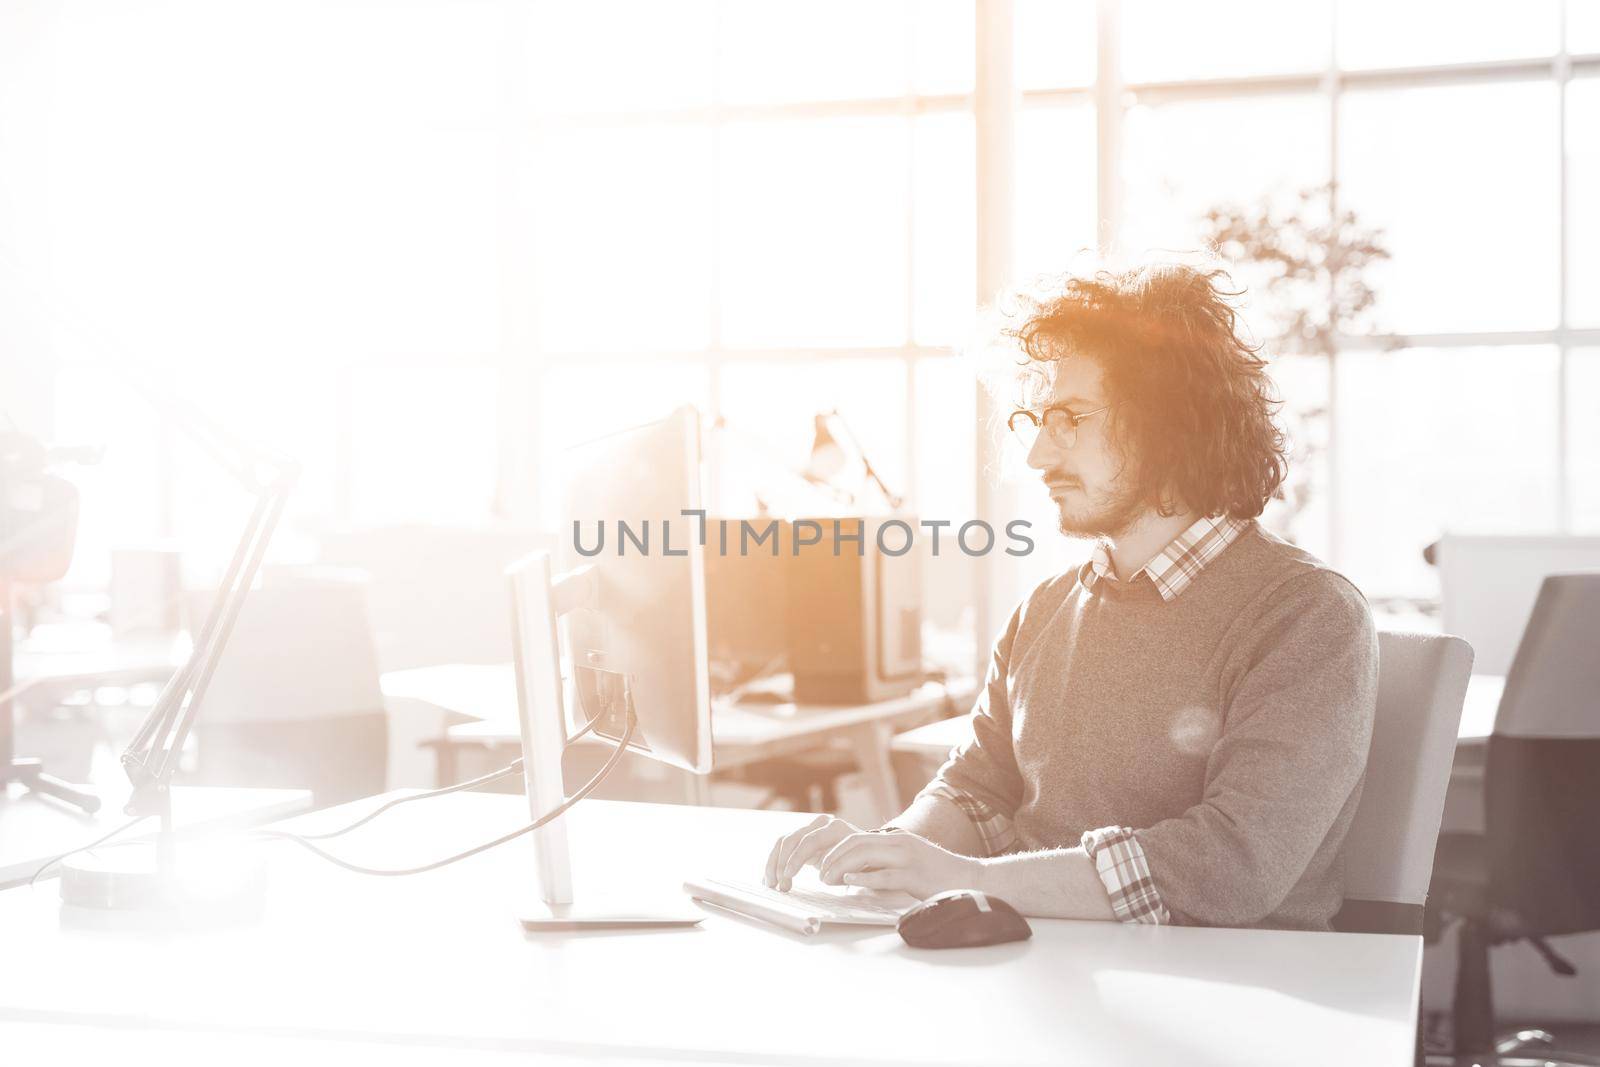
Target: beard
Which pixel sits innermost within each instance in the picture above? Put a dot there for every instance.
(1109, 514)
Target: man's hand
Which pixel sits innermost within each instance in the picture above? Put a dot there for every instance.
(900, 861)
(806, 845)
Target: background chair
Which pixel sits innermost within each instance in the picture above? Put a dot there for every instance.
(437, 594)
(1535, 871)
(1487, 587)
(295, 701)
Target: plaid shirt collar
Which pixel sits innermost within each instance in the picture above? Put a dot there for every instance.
(1176, 566)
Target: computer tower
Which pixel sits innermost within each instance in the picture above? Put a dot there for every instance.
(854, 615)
(747, 597)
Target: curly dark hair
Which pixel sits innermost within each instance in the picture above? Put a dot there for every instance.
(1195, 405)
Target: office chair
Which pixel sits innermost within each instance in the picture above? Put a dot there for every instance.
(1388, 853)
(1535, 871)
(1487, 586)
(295, 701)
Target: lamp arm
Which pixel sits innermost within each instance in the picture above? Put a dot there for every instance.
(894, 500)
(262, 536)
(244, 460)
(151, 758)
(722, 425)
(167, 706)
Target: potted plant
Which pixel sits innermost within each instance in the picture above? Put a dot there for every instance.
(1307, 263)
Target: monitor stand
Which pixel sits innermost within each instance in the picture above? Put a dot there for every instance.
(537, 602)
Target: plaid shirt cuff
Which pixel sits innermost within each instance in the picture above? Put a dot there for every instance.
(994, 827)
(1119, 860)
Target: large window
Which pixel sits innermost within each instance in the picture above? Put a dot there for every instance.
(1471, 138)
(425, 246)
(772, 236)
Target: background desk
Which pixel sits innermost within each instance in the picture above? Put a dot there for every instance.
(346, 967)
(742, 734)
(54, 661)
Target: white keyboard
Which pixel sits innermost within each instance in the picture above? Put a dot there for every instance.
(857, 906)
(810, 906)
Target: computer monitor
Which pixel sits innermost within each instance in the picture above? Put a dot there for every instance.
(634, 616)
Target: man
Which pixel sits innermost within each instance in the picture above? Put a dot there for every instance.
(1177, 731)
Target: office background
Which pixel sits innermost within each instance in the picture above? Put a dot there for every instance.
(421, 246)
(420, 251)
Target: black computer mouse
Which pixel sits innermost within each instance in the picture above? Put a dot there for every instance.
(962, 918)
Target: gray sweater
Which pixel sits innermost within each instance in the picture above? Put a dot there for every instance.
(1228, 728)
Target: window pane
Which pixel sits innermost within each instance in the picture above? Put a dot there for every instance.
(1172, 40)
(1055, 183)
(946, 486)
(1435, 440)
(1583, 438)
(429, 60)
(944, 228)
(1055, 42)
(1182, 159)
(946, 439)
(1463, 181)
(291, 411)
(423, 445)
(623, 229)
(1583, 201)
(578, 61)
(1583, 26)
(814, 232)
(1383, 33)
(942, 40)
(1302, 516)
(287, 217)
(780, 52)
(394, 247)
(583, 401)
(771, 409)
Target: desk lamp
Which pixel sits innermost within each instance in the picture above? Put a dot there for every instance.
(142, 875)
(828, 457)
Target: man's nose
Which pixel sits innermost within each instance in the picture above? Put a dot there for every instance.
(1044, 454)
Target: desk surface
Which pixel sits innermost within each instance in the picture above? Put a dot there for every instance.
(35, 828)
(344, 965)
(88, 654)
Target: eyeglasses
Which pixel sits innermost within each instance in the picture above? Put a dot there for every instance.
(1062, 424)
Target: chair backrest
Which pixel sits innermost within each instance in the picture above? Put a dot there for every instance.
(1542, 771)
(1487, 586)
(300, 649)
(438, 593)
(1388, 854)
(1553, 687)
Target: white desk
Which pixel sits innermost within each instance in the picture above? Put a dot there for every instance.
(350, 969)
(58, 659)
(742, 734)
(35, 828)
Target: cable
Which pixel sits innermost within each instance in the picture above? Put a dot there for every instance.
(554, 813)
(514, 767)
(84, 848)
(587, 727)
